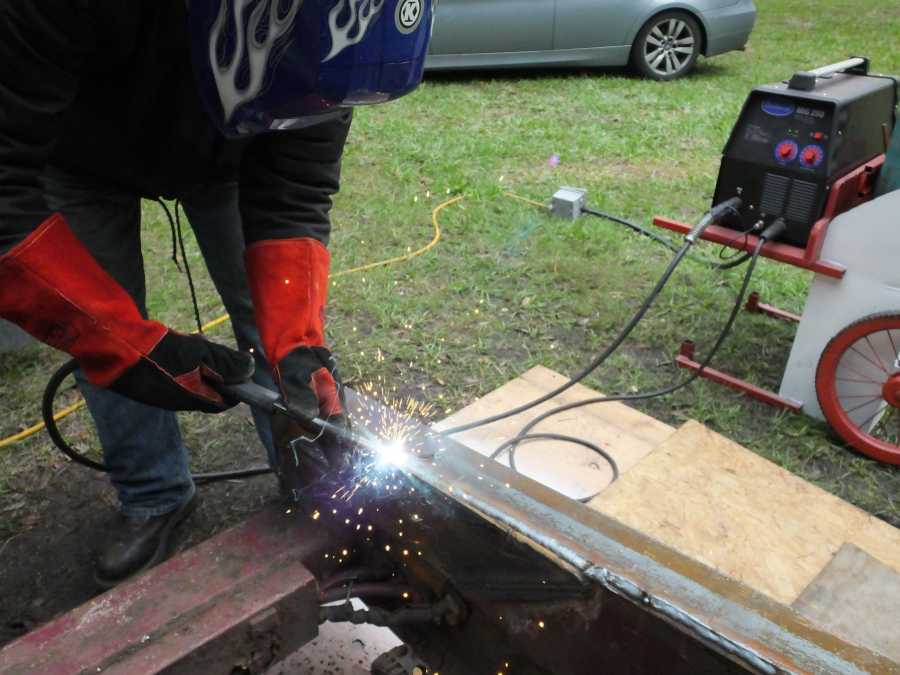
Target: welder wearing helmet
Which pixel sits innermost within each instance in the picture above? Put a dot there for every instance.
(103, 102)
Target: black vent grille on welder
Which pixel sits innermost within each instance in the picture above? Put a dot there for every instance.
(774, 194)
(793, 199)
(802, 202)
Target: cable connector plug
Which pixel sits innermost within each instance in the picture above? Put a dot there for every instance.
(713, 216)
(775, 230)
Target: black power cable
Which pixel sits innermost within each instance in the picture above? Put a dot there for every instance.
(50, 393)
(772, 232)
(643, 231)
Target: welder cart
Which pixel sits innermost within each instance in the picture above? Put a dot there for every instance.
(816, 151)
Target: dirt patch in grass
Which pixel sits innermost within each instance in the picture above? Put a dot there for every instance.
(53, 527)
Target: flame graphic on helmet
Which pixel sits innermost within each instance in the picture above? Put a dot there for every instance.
(362, 13)
(258, 51)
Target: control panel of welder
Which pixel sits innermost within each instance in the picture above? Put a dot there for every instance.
(791, 143)
(780, 134)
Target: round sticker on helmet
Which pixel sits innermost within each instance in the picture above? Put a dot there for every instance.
(409, 15)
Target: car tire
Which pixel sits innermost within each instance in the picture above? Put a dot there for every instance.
(667, 47)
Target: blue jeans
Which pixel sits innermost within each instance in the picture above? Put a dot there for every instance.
(143, 446)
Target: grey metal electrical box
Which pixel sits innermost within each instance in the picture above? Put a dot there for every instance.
(568, 202)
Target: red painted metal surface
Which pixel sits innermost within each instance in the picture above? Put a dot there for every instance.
(856, 187)
(685, 359)
(834, 408)
(757, 307)
(891, 390)
(237, 598)
(785, 253)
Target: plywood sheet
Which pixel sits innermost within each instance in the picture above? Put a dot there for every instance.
(725, 506)
(856, 597)
(627, 434)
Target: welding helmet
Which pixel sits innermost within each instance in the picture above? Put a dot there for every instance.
(279, 64)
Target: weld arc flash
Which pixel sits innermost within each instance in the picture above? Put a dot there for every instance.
(266, 65)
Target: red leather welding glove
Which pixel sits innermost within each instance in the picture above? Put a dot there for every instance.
(289, 283)
(52, 287)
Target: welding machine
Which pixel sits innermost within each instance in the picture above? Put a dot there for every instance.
(795, 139)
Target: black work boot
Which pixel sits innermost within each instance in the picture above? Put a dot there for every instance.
(131, 545)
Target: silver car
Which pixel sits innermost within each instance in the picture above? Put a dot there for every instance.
(660, 39)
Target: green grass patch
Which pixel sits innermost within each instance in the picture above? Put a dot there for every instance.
(509, 287)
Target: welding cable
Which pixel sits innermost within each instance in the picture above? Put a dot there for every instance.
(512, 445)
(178, 238)
(50, 393)
(643, 231)
(772, 232)
(713, 215)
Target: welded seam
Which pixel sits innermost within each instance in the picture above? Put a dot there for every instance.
(626, 588)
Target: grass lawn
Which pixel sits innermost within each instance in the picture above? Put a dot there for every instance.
(509, 287)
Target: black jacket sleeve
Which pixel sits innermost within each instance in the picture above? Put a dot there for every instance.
(288, 179)
(43, 44)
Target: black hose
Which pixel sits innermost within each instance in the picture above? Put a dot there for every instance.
(640, 229)
(50, 393)
(633, 226)
(713, 215)
(512, 446)
(772, 232)
(593, 365)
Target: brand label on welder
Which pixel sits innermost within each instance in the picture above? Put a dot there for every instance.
(811, 112)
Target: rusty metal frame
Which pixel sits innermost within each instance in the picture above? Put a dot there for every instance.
(242, 599)
(608, 581)
(548, 586)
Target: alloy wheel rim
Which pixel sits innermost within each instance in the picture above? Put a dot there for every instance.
(669, 46)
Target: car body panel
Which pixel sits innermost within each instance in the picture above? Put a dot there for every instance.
(493, 26)
(519, 33)
(582, 24)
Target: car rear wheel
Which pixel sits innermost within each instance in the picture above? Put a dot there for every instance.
(667, 47)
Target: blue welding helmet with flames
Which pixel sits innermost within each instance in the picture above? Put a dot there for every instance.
(265, 65)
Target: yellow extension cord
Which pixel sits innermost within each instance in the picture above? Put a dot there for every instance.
(65, 412)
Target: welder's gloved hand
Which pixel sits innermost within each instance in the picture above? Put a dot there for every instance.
(289, 283)
(310, 383)
(51, 286)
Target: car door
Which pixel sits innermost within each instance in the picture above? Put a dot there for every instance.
(596, 23)
(491, 26)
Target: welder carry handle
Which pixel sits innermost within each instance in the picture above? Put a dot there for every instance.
(806, 80)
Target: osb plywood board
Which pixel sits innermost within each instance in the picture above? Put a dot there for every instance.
(856, 597)
(725, 506)
(627, 434)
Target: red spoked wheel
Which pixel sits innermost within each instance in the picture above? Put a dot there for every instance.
(858, 385)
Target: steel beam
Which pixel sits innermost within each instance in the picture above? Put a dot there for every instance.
(553, 586)
(243, 599)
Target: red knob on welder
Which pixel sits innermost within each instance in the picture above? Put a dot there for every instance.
(786, 152)
(809, 156)
(818, 136)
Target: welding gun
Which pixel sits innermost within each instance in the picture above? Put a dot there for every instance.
(268, 401)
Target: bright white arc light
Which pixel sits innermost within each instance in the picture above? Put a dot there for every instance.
(393, 454)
